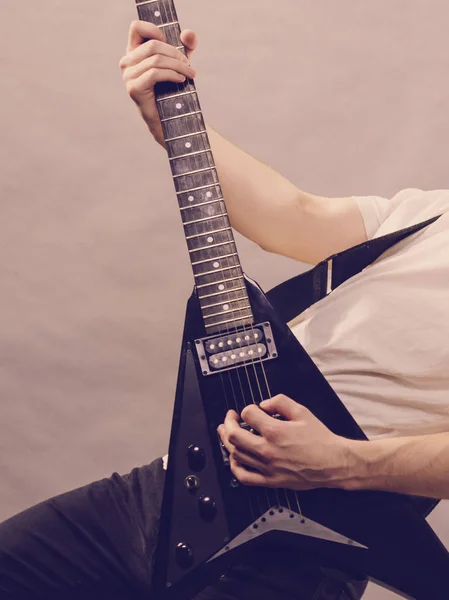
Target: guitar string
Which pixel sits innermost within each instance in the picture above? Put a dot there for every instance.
(180, 88)
(229, 266)
(226, 291)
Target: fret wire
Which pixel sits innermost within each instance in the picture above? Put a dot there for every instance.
(216, 271)
(205, 219)
(199, 262)
(190, 237)
(202, 187)
(174, 95)
(211, 246)
(201, 204)
(237, 289)
(168, 24)
(194, 172)
(195, 112)
(179, 137)
(227, 302)
(206, 148)
(250, 316)
(220, 281)
(189, 154)
(226, 312)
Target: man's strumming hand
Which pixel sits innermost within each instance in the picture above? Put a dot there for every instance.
(298, 453)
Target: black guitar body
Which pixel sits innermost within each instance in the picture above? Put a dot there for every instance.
(208, 520)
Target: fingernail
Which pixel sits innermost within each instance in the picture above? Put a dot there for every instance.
(263, 403)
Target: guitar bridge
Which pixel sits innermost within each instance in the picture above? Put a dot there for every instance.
(237, 348)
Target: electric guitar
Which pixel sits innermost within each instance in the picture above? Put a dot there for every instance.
(236, 350)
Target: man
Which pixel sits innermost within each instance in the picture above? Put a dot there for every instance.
(380, 340)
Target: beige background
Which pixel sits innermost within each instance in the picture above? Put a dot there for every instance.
(343, 97)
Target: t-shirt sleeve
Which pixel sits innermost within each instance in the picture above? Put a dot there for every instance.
(408, 207)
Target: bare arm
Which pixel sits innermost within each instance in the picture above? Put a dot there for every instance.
(408, 465)
(272, 212)
(262, 204)
(301, 453)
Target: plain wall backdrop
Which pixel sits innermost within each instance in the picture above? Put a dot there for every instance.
(342, 97)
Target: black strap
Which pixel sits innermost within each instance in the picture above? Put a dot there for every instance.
(294, 296)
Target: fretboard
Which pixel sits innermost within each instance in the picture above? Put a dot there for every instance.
(216, 265)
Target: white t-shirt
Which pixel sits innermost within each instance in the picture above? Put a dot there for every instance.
(382, 338)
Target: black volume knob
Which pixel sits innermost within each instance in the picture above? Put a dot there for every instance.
(184, 555)
(207, 507)
(196, 458)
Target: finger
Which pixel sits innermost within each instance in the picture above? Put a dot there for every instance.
(240, 438)
(250, 460)
(248, 477)
(259, 420)
(190, 41)
(148, 49)
(141, 31)
(159, 62)
(284, 406)
(246, 458)
(147, 81)
(224, 439)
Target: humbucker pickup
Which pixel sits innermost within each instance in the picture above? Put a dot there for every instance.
(228, 351)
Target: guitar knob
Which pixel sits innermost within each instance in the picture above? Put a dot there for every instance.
(207, 507)
(196, 458)
(184, 555)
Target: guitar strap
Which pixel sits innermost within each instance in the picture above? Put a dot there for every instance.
(294, 296)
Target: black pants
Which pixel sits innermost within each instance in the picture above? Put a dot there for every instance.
(96, 543)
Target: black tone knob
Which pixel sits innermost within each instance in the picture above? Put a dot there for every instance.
(184, 555)
(196, 458)
(192, 482)
(207, 507)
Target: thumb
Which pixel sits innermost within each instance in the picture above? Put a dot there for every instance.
(190, 41)
(284, 406)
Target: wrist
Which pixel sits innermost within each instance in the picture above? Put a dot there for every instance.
(369, 464)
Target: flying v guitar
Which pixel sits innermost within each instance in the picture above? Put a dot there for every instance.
(236, 350)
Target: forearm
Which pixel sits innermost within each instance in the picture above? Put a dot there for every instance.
(410, 465)
(272, 212)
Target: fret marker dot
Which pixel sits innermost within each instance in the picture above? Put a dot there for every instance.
(246, 337)
(221, 287)
(242, 354)
(188, 145)
(210, 239)
(191, 198)
(209, 194)
(226, 307)
(220, 344)
(233, 356)
(179, 105)
(216, 265)
(251, 352)
(259, 350)
(238, 340)
(157, 14)
(229, 342)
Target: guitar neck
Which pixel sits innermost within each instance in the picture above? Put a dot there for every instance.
(215, 262)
